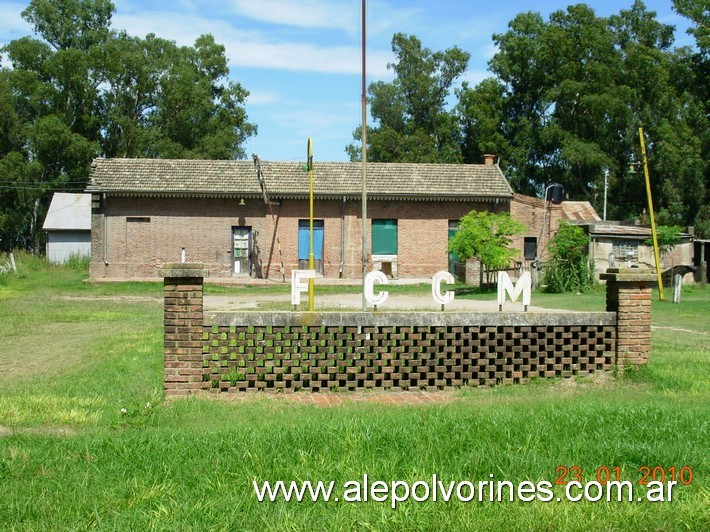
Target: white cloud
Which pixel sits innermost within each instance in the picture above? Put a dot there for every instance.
(259, 97)
(255, 48)
(474, 77)
(13, 25)
(302, 14)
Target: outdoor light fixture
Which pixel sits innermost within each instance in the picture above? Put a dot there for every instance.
(242, 203)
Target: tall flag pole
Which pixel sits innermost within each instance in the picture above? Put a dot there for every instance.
(364, 152)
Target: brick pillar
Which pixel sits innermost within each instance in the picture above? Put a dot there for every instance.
(628, 293)
(182, 328)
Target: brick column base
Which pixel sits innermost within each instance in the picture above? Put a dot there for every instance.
(628, 293)
(182, 326)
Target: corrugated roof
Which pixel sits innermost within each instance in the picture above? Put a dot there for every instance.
(69, 212)
(620, 230)
(288, 179)
(580, 211)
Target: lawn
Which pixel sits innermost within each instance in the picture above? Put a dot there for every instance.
(87, 442)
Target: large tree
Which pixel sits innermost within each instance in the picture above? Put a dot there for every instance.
(568, 97)
(412, 122)
(79, 89)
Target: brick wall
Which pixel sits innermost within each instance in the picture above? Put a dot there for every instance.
(380, 355)
(315, 351)
(182, 326)
(628, 294)
(531, 211)
(144, 233)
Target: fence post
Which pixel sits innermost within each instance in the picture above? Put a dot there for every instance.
(182, 327)
(628, 293)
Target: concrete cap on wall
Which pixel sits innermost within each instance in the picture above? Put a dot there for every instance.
(630, 275)
(183, 269)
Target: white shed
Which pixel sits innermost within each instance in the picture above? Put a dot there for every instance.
(68, 226)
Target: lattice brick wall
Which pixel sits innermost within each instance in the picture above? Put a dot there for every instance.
(349, 357)
(248, 351)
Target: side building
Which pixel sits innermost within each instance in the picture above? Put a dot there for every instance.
(68, 227)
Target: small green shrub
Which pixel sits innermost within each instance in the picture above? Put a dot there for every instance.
(78, 263)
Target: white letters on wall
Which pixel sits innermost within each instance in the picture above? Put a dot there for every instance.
(298, 286)
(448, 296)
(523, 286)
(370, 279)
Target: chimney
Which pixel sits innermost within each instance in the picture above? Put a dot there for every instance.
(488, 159)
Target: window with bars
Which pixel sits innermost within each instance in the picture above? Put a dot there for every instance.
(625, 250)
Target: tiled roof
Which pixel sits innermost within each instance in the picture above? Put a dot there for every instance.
(288, 179)
(580, 211)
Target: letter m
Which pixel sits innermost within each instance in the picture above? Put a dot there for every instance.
(522, 286)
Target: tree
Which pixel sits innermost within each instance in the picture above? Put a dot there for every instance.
(699, 12)
(667, 237)
(412, 123)
(486, 237)
(568, 96)
(81, 90)
(568, 269)
(702, 222)
(480, 114)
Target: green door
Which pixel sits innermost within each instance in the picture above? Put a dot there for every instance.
(384, 237)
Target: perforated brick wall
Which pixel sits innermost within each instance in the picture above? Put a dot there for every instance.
(327, 357)
(289, 351)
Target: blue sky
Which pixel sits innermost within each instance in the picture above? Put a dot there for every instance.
(300, 60)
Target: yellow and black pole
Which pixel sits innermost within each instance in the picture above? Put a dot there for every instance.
(311, 259)
(654, 236)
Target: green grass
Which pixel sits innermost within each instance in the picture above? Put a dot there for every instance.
(75, 354)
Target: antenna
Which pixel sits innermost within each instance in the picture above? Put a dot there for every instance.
(267, 202)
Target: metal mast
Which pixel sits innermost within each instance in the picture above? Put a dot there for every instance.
(364, 152)
(269, 204)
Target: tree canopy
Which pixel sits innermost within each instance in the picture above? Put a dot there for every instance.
(487, 237)
(564, 103)
(81, 89)
(413, 123)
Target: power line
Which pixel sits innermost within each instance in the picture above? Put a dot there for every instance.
(48, 189)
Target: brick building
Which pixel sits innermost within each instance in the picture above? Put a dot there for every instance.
(148, 212)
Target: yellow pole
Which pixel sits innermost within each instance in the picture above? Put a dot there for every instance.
(311, 259)
(661, 295)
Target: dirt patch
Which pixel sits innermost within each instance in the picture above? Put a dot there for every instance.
(6, 432)
(116, 298)
(331, 399)
(599, 380)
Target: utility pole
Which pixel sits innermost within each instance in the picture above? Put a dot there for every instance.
(606, 187)
(364, 151)
(311, 259)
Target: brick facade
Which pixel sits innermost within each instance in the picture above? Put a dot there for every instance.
(289, 351)
(149, 212)
(540, 225)
(133, 237)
